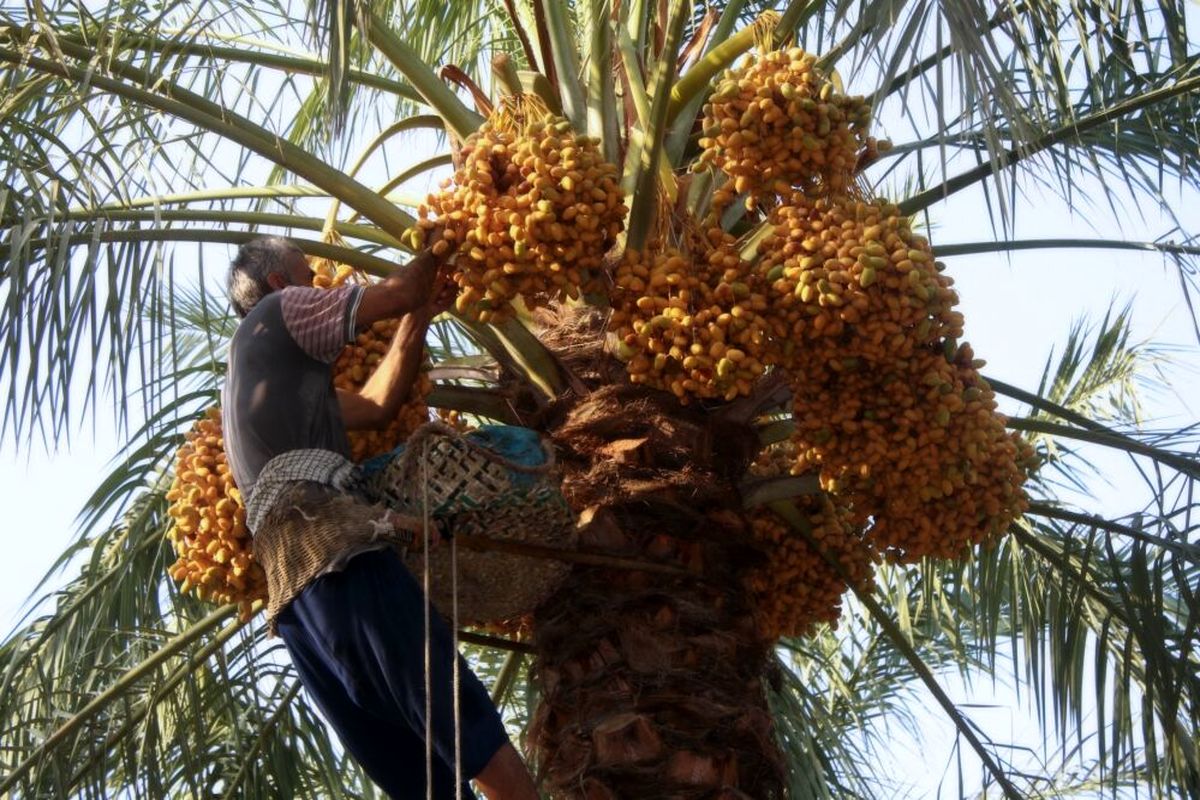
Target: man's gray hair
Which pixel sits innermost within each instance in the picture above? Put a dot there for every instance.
(248, 271)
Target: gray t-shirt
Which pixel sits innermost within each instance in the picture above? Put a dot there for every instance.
(279, 393)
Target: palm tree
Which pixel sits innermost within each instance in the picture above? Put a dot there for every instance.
(136, 130)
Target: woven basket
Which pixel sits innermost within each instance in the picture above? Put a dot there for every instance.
(478, 492)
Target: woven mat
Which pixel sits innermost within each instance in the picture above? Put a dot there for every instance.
(482, 494)
(493, 587)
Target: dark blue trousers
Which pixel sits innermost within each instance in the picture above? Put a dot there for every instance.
(357, 640)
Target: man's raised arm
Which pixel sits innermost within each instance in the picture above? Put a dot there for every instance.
(416, 295)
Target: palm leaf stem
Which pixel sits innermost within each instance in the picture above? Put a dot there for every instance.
(788, 511)
(212, 117)
(522, 36)
(508, 675)
(485, 544)
(238, 55)
(561, 43)
(645, 197)
(969, 140)
(1050, 407)
(972, 248)
(532, 360)
(633, 74)
(396, 128)
(775, 432)
(698, 79)
(251, 755)
(313, 247)
(489, 403)
(682, 118)
(725, 24)
(601, 92)
(1188, 465)
(460, 120)
(864, 23)
(1181, 547)
(547, 57)
(203, 196)
(779, 430)
(17, 99)
(761, 491)
(174, 679)
(368, 233)
(637, 25)
(416, 169)
(494, 642)
(772, 391)
(765, 491)
(1012, 156)
(172, 648)
(794, 17)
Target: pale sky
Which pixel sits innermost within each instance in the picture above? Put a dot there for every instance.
(1015, 310)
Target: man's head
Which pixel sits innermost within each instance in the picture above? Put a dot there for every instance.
(263, 266)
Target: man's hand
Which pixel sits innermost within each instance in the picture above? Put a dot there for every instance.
(409, 288)
(444, 292)
(414, 525)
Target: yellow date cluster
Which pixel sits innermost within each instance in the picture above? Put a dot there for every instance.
(532, 210)
(916, 447)
(208, 523)
(689, 319)
(775, 122)
(849, 279)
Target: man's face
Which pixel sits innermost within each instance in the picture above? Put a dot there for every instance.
(295, 272)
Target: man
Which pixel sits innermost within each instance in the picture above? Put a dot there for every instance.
(349, 612)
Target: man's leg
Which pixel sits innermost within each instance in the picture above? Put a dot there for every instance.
(506, 777)
(391, 629)
(390, 752)
(369, 618)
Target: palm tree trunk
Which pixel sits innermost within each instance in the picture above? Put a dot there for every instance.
(653, 686)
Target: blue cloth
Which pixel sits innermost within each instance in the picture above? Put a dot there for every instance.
(357, 640)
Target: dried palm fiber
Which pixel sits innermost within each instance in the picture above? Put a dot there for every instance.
(794, 587)
(208, 523)
(479, 491)
(576, 335)
(359, 359)
(650, 684)
(533, 210)
(689, 313)
(624, 443)
(775, 121)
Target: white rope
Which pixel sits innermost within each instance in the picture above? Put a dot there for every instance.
(457, 725)
(458, 778)
(428, 626)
